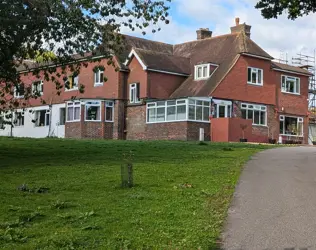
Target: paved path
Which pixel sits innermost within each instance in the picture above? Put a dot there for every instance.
(274, 206)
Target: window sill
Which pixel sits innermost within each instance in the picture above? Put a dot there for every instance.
(262, 126)
(109, 121)
(92, 120)
(98, 84)
(201, 79)
(293, 135)
(290, 93)
(177, 121)
(19, 97)
(255, 84)
(135, 104)
(67, 90)
(73, 121)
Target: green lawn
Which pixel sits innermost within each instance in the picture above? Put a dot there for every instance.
(180, 199)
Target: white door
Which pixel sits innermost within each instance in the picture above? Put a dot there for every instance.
(223, 110)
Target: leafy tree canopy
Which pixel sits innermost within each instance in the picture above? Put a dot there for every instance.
(29, 29)
(294, 8)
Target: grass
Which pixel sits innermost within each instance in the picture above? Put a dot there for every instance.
(66, 194)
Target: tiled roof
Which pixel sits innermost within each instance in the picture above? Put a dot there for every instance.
(164, 62)
(282, 66)
(222, 50)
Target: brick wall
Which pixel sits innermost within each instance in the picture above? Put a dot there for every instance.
(137, 129)
(90, 129)
(109, 89)
(234, 86)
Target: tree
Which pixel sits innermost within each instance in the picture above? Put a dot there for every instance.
(295, 8)
(51, 32)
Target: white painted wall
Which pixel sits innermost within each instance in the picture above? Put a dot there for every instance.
(30, 130)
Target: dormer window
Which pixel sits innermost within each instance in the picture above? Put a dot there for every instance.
(202, 71)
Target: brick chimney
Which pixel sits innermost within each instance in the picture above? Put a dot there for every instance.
(240, 28)
(203, 33)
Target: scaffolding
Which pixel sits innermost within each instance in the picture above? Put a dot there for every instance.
(309, 62)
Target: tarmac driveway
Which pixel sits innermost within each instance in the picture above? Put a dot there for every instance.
(274, 206)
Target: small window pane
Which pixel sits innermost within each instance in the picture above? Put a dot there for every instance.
(161, 103)
(161, 114)
(170, 103)
(256, 119)
(181, 102)
(191, 101)
(263, 118)
(171, 113)
(250, 114)
(254, 77)
(151, 115)
(282, 127)
(205, 71)
(244, 114)
(260, 76)
(199, 72)
(191, 112)
(206, 113)
(199, 115)
(70, 114)
(181, 112)
(249, 74)
(199, 102)
(77, 113)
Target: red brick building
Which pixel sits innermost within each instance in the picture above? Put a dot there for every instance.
(164, 91)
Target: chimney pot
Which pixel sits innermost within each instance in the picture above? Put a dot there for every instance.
(237, 21)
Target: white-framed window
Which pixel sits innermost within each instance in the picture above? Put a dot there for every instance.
(62, 116)
(199, 110)
(290, 125)
(255, 76)
(256, 113)
(73, 111)
(18, 119)
(38, 88)
(93, 111)
(71, 82)
(109, 111)
(290, 84)
(19, 91)
(98, 77)
(134, 93)
(202, 71)
(42, 118)
(162, 111)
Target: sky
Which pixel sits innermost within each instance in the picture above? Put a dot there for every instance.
(281, 38)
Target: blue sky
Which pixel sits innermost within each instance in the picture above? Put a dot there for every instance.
(278, 37)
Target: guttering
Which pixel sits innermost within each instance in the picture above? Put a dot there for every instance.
(57, 65)
(166, 72)
(292, 72)
(255, 56)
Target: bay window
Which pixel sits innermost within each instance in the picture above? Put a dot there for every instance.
(73, 111)
(291, 125)
(290, 85)
(178, 110)
(199, 110)
(256, 113)
(93, 111)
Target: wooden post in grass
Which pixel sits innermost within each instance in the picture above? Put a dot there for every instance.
(127, 175)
